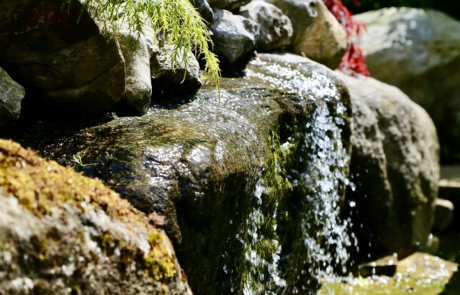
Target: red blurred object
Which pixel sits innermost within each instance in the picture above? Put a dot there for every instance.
(353, 61)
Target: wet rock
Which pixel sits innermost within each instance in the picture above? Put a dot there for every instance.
(63, 232)
(136, 53)
(317, 33)
(275, 28)
(11, 96)
(385, 266)
(62, 58)
(203, 8)
(234, 39)
(395, 167)
(419, 52)
(444, 214)
(173, 78)
(276, 140)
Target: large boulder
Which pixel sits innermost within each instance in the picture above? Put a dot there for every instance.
(419, 52)
(203, 8)
(275, 28)
(61, 55)
(64, 233)
(11, 96)
(250, 179)
(317, 33)
(395, 167)
(234, 39)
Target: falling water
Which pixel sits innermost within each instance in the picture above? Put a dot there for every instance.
(325, 163)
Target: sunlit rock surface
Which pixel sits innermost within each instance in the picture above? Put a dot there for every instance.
(419, 273)
(395, 167)
(419, 52)
(63, 233)
(251, 182)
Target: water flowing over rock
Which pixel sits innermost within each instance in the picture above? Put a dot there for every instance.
(317, 34)
(251, 182)
(11, 96)
(395, 167)
(275, 28)
(419, 52)
(61, 57)
(64, 233)
(234, 39)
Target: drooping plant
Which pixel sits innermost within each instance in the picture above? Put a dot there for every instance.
(353, 61)
(177, 19)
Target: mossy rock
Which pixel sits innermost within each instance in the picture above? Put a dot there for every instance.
(61, 232)
(251, 180)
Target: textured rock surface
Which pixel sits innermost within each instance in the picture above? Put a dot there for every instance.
(136, 52)
(173, 78)
(203, 8)
(250, 182)
(231, 5)
(275, 29)
(61, 232)
(68, 65)
(324, 41)
(234, 38)
(395, 167)
(419, 52)
(11, 96)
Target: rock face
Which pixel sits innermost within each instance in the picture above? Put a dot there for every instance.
(203, 8)
(70, 65)
(250, 182)
(62, 232)
(419, 52)
(395, 167)
(317, 34)
(170, 78)
(136, 52)
(275, 28)
(234, 38)
(11, 96)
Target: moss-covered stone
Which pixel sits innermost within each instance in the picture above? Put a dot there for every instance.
(250, 181)
(63, 231)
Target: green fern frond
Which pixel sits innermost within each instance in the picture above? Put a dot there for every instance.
(177, 19)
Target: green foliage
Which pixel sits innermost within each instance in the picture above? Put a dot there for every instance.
(176, 19)
(451, 7)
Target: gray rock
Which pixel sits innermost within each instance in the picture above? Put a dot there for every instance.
(70, 64)
(317, 33)
(11, 96)
(203, 8)
(136, 52)
(419, 52)
(444, 214)
(275, 28)
(234, 39)
(395, 167)
(173, 78)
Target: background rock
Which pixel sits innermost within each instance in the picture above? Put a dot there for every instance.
(63, 232)
(203, 8)
(275, 29)
(11, 96)
(234, 39)
(444, 214)
(170, 78)
(395, 167)
(71, 66)
(136, 53)
(419, 52)
(231, 5)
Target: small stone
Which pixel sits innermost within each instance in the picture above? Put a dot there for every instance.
(11, 96)
(443, 214)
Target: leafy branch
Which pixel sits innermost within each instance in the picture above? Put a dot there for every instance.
(178, 19)
(76, 159)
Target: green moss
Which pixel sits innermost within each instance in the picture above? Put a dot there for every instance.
(40, 185)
